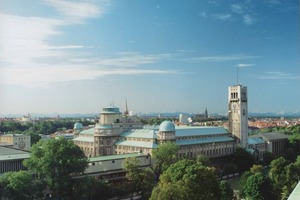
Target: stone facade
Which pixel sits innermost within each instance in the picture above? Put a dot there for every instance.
(238, 114)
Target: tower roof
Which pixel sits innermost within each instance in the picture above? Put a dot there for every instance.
(110, 110)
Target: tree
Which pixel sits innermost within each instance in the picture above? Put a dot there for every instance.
(90, 188)
(165, 155)
(34, 137)
(226, 190)
(242, 159)
(20, 185)
(268, 158)
(203, 160)
(133, 173)
(258, 187)
(187, 179)
(140, 180)
(55, 161)
(243, 183)
(276, 173)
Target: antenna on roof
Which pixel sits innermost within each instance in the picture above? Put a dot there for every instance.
(237, 75)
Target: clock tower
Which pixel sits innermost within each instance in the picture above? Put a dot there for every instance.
(238, 113)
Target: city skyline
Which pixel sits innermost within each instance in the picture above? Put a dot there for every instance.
(78, 57)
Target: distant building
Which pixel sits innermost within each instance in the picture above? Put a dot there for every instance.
(118, 134)
(11, 159)
(238, 113)
(275, 142)
(17, 141)
(257, 143)
(100, 140)
(183, 119)
(26, 118)
(111, 167)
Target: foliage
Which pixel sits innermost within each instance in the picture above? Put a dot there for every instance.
(278, 183)
(165, 155)
(19, 185)
(90, 188)
(276, 172)
(242, 159)
(55, 161)
(140, 180)
(45, 127)
(203, 160)
(268, 158)
(243, 183)
(226, 190)
(229, 169)
(258, 187)
(187, 179)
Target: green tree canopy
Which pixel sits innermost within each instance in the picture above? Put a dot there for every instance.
(140, 180)
(165, 155)
(187, 179)
(19, 185)
(226, 190)
(242, 159)
(258, 187)
(55, 161)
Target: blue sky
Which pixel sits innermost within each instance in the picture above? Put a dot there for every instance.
(59, 56)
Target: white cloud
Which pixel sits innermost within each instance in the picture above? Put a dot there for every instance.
(275, 75)
(130, 60)
(244, 65)
(46, 74)
(222, 17)
(222, 58)
(27, 57)
(248, 20)
(237, 8)
(79, 10)
(24, 39)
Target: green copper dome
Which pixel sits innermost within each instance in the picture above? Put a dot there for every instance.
(78, 126)
(167, 126)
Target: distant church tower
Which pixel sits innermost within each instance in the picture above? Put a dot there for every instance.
(206, 113)
(238, 113)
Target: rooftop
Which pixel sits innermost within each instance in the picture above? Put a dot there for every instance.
(84, 139)
(7, 153)
(140, 133)
(182, 131)
(137, 144)
(255, 140)
(115, 157)
(88, 131)
(272, 136)
(204, 141)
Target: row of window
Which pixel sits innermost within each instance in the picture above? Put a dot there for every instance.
(211, 152)
(202, 136)
(11, 166)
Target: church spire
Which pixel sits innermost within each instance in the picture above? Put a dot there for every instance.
(126, 109)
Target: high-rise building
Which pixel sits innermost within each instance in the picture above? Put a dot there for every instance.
(238, 113)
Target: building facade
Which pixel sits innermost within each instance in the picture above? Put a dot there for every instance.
(17, 141)
(238, 114)
(118, 133)
(12, 159)
(100, 140)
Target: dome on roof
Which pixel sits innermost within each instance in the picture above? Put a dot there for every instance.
(78, 126)
(167, 126)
